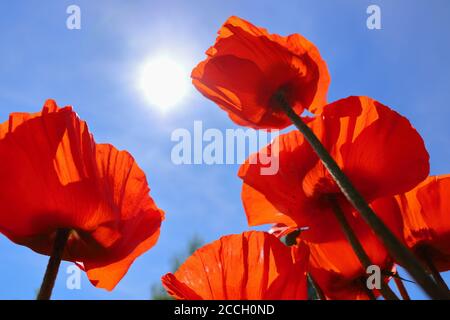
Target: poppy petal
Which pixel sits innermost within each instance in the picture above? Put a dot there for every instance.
(426, 211)
(247, 66)
(250, 266)
(54, 175)
(367, 140)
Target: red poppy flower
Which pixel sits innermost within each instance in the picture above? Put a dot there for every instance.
(369, 142)
(53, 175)
(426, 214)
(250, 266)
(247, 66)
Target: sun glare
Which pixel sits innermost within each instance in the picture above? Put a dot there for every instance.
(163, 82)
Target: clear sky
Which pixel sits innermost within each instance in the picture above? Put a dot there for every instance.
(405, 65)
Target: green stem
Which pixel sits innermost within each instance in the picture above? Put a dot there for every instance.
(401, 287)
(434, 271)
(396, 248)
(319, 293)
(385, 290)
(45, 292)
(369, 292)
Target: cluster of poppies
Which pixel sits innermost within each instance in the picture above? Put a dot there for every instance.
(253, 76)
(66, 196)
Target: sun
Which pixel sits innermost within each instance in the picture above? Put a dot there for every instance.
(163, 82)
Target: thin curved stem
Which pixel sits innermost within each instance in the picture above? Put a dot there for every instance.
(385, 290)
(395, 247)
(45, 292)
(316, 287)
(434, 271)
(401, 287)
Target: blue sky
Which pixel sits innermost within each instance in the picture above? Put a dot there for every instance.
(405, 65)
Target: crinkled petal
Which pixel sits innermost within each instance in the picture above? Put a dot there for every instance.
(250, 266)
